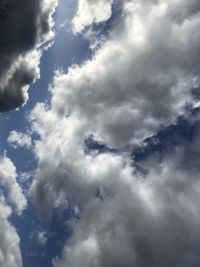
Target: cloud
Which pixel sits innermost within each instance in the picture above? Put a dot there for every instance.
(8, 181)
(42, 238)
(10, 255)
(39, 237)
(132, 220)
(144, 222)
(138, 81)
(17, 139)
(90, 11)
(19, 47)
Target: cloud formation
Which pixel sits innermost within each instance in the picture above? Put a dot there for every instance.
(10, 255)
(151, 222)
(19, 46)
(138, 81)
(125, 219)
(91, 11)
(8, 181)
(18, 139)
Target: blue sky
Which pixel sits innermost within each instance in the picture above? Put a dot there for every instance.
(103, 157)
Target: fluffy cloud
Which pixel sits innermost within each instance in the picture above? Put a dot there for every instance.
(42, 238)
(90, 11)
(125, 219)
(138, 81)
(10, 255)
(18, 39)
(17, 139)
(141, 76)
(144, 222)
(8, 181)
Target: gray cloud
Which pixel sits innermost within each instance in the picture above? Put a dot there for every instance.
(23, 27)
(151, 222)
(8, 180)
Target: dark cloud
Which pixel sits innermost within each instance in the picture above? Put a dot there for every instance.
(23, 26)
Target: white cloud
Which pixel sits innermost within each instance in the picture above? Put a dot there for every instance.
(10, 255)
(84, 250)
(17, 139)
(42, 237)
(8, 181)
(138, 80)
(91, 11)
(144, 222)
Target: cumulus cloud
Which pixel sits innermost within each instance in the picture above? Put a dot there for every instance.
(151, 222)
(141, 76)
(137, 82)
(132, 221)
(8, 181)
(91, 11)
(17, 139)
(19, 44)
(10, 255)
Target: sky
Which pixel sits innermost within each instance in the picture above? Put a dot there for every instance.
(99, 133)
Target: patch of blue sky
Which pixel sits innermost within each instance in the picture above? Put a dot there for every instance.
(178, 135)
(182, 132)
(91, 145)
(34, 253)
